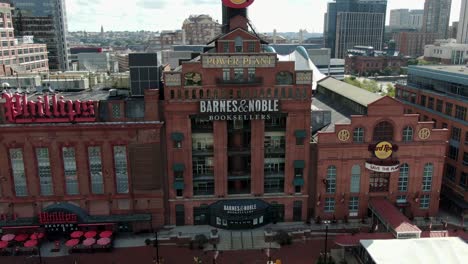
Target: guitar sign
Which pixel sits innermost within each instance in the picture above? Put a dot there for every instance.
(237, 3)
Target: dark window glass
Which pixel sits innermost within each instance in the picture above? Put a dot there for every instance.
(383, 131)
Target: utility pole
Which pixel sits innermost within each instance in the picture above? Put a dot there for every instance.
(326, 222)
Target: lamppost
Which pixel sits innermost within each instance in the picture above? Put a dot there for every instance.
(156, 245)
(326, 222)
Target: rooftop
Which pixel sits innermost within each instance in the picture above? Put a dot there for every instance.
(356, 94)
(388, 212)
(420, 250)
(453, 69)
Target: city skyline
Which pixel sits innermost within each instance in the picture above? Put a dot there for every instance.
(156, 15)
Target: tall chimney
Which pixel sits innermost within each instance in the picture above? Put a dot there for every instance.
(228, 14)
(274, 36)
(184, 37)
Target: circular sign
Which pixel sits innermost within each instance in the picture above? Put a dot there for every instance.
(237, 3)
(424, 133)
(383, 150)
(344, 135)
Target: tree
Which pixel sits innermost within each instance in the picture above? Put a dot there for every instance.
(387, 71)
(390, 90)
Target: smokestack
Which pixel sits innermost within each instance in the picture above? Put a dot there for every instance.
(274, 36)
(229, 13)
(301, 36)
(184, 37)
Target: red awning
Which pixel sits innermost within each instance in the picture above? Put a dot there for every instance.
(8, 237)
(89, 242)
(72, 242)
(21, 237)
(105, 234)
(353, 240)
(3, 244)
(90, 234)
(97, 224)
(392, 216)
(19, 227)
(76, 234)
(103, 241)
(37, 236)
(30, 243)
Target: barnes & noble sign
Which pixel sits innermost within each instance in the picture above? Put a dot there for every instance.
(239, 109)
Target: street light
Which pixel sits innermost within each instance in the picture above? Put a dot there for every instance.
(326, 222)
(156, 245)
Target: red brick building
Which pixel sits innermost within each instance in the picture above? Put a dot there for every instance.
(98, 162)
(367, 65)
(237, 130)
(412, 43)
(440, 94)
(377, 151)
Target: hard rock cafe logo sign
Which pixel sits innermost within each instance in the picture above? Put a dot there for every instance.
(383, 150)
(47, 109)
(237, 3)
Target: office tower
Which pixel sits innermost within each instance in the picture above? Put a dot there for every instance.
(405, 18)
(351, 23)
(436, 17)
(462, 33)
(46, 20)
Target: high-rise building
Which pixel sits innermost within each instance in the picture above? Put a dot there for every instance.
(46, 20)
(436, 17)
(350, 23)
(462, 33)
(405, 18)
(19, 55)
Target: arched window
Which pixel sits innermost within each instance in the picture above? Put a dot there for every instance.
(403, 178)
(408, 134)
(238, 44)
(355, 179)
(331, 179)
(284, 78)
(427, 177)
(358, 135)
(383, 131)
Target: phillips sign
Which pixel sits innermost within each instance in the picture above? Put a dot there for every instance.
(47, 109)
(237, 3)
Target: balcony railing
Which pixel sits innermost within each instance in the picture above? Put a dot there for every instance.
(246, 81)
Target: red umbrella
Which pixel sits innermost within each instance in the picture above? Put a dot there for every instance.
(8, 237)
(72, 242)
(103, 241)
(30, 243)
(89, 241)
(76, 234)
(37, 236)
(3, 244)
(21, 237)
(90, 234)
(106, 234)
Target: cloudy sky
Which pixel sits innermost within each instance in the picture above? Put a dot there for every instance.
(154, 15)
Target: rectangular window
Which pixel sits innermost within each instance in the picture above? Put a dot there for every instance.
(439, 105)
(379, 181)
(329, 205)
(460, 112)
(251, 47)
(251, 74)
(453, 152)
(120, 167)
(355, 183)
(427, 179)
(464, 180)
(456, 134)
(448, 109)
(116, 110)
(430, 103)
(238, 74)
(358, 135)
(95, 170)
(19, 175)
(466, 138)
(465, 158)
(226, 47)
(45, 174)
(450, 172)
(353, 204)
(69, 170)
(423, 100)
(226, 74)
(424, 201)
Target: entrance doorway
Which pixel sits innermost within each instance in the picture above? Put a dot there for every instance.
(180, 214)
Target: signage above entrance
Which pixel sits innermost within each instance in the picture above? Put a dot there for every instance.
(237, 3)
(57, 218)
(380, 168)
(383, 150)
(239, 61)
(47, 109)
(239, 109)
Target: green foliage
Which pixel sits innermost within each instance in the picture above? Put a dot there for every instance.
(390, 90)
(387, 71)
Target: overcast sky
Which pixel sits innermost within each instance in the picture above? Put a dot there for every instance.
(154, 15)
